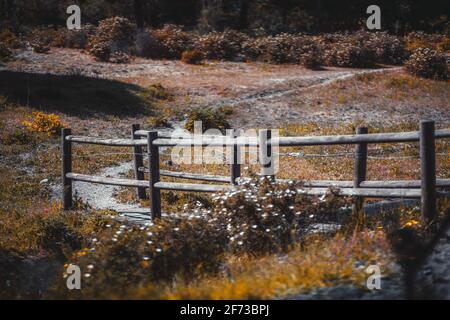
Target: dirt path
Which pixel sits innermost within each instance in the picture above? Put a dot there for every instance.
(300, 83)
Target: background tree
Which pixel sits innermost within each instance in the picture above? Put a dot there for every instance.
(243, 14)
(138, 13)
(398, 16)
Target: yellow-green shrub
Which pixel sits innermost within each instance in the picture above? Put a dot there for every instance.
(156, 91)
(158, 122)
(210, 118)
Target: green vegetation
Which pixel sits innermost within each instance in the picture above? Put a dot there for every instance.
(428, 63)
(211, 118)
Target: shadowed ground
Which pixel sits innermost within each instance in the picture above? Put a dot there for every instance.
(72, 94)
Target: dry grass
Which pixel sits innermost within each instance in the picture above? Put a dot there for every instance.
(385, 91)
(321, 263)
(378, 100)
(27, 219)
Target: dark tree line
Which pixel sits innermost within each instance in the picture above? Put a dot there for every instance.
(272, 15)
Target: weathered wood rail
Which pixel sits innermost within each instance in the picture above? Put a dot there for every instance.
(426, 189)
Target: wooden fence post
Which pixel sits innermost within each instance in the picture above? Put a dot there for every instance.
(66, 167)
(138, 161)
(235, 166)
(428, 170)
(265, 153)
(360, 169)
(154, 175)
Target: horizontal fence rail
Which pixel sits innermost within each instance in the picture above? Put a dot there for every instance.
(424, 189)
(356, 139)
(251, 141)
(144, 184)
(362, 192)
(405, 184)
(190, 176)
(320, 185)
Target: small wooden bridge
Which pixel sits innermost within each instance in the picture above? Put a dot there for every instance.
(427, 189)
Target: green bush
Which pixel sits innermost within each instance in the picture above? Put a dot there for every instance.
(284, 48)
(388, 49)
(42, 39)
(17, 136)
(344, 54)
(274, 49)
(10, 40)
(116, 31)
(220, 45)
(101, 51)
(158, 122)
(113, 36)
(264, 217)
(310, 56)
(57, 237)
(173, 41)
(420, 39)
(156, 92)
(79, 39)
(428, 63)
(258, 218)
(210, 118)
(5, 53)
(128, 256)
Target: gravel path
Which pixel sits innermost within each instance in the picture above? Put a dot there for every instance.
(102, 197)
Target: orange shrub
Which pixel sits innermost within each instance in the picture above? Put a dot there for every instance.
(192, 57)
(50, 124)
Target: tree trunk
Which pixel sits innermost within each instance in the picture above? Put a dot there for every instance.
(243, 15)
(153, 13)
(284, 16)
(10, 14)
(319, 16)
(138, 13)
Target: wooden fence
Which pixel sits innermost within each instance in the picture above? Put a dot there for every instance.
(427, 188)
